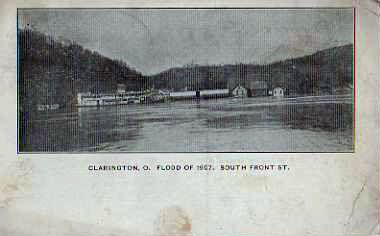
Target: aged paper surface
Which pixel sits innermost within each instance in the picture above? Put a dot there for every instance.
(319, 193)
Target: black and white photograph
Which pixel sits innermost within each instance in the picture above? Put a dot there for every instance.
(186, 80)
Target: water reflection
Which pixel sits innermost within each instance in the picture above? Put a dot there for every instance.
(223, 125)
(330, 117)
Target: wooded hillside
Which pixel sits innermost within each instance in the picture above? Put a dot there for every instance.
(53, 72)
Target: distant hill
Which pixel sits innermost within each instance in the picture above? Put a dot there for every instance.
(320, 73)
(53, 72)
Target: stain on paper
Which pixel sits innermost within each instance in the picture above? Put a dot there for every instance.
(12, 180)
(173, 220)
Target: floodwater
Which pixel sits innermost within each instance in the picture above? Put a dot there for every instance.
(310, 124)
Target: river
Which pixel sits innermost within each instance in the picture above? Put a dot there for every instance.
(309, 124)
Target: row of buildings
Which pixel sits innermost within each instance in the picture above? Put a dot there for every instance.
(123, 97)
(257, 88)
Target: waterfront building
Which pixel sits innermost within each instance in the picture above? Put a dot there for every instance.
(239, 91)
(258, 88)
(278, 92)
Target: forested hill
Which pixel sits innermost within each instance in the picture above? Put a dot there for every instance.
(52, 71)
(320, 73)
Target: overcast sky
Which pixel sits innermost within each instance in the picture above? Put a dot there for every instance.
(153, 40)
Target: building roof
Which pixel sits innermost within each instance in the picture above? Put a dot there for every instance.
(239, 87)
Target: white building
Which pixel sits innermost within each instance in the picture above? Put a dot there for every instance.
(47, 107)
(183, 94)
(278, 92)
(240, 91)
(214, 93)
(210, 93)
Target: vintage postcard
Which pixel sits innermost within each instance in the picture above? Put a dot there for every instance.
(179, 118)
(186, 80)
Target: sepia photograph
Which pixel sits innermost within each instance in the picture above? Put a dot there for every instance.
(186, 80)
